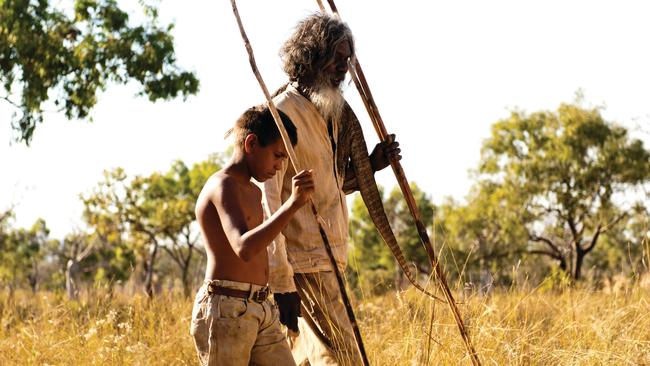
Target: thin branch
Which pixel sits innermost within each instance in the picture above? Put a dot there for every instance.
(5, 215)
(549, 242)
(572, 227)
(603, 229)
(86, 252)
(594, 239)
(544, 252)
(548, 210)
(18, 106)
(581, 230)
(172, 255)
(613, 222)
(6, 98)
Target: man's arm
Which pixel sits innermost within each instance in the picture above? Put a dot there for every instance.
(384, 152)
(379, 158)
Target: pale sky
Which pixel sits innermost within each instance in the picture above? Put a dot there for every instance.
(442, 72)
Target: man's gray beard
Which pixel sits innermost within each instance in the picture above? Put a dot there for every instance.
(329, 101)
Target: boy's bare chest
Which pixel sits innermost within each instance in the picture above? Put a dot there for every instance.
(251, 205)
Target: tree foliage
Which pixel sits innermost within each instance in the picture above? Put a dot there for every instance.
(484, 237)
(152, 213)
(567, 168)
(371, 266)
(69, 55)
(551, 188)
(21, 253)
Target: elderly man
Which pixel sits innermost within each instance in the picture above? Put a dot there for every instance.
(315, 58)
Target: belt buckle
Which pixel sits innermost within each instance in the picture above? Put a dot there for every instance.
(260, 295)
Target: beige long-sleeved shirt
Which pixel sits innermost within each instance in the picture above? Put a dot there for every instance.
(300, 249)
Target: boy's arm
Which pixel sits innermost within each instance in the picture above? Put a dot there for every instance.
(280, 270)
(247, 242)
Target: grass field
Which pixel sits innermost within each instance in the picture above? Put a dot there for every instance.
(515, 327)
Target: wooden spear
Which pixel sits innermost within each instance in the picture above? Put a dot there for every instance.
(294, 162)
(362, 86)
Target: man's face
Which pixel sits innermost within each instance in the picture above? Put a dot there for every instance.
(337, 67)
(267, 160)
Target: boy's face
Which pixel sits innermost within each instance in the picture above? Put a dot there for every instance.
(265, 161)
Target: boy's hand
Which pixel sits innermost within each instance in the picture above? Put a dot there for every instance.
(384, 152)
(289, 308)
(303, 187)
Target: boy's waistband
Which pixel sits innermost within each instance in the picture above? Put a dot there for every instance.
(241, 290)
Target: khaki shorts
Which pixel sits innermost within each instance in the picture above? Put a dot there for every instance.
(231, 331)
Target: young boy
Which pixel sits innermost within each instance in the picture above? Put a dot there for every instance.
(233, 321)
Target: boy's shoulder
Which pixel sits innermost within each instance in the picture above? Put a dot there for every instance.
(221, 183)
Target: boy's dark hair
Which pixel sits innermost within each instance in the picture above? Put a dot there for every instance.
(258, 120)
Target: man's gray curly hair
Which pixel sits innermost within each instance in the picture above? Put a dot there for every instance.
(312, 45)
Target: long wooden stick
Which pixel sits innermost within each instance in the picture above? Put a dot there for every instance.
(388, 237)
(294, 162)
(362, 85)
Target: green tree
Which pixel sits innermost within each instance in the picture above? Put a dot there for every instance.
(372, 265)
(405, 231)
(109, 252)
(130, 206)
(48, 53)
(21, 253)
(174, 195)
(93, 257)
(485, 236)
(153, 213)
(4, 219)
(570, 170)
(114, 209)
(624, 250)
(76, 247)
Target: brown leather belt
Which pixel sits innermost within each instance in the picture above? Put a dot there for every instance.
(257, 296)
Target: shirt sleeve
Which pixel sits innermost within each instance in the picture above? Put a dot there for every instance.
(280, 270)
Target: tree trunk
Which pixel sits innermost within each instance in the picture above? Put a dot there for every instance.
(33, 278)
(563, 264)
(148, 280)
(185, 273)
(580, 256)
(185, 280)
(33, 283)
(71, 279)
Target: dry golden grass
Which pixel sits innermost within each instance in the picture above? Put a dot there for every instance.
(102, 329)
(572, 327)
